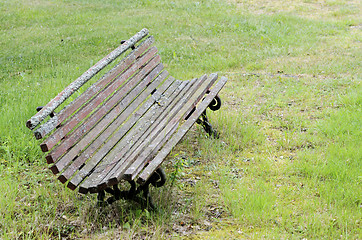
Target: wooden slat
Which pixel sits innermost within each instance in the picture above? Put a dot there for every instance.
(158, 128)
(184, 106)
(102, 138)
(109, 162)
(52, 140)
(156, 162)
(94, 187)
(150, 151)
(89, 167)
(119, 99)
(98, 114)
(74, 86)
(142, 134)
(147, 122)
(51, 124)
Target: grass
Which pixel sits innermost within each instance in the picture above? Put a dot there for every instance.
(288, 163)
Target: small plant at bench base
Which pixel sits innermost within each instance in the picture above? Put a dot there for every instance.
(124, 125)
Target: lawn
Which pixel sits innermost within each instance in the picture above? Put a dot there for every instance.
(288, 161)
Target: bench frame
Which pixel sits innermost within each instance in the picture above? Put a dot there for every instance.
(134, 114)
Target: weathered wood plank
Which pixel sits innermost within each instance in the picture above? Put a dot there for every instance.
(98, 114)
(74, 86)
(145, 154)
(156, 162)
(102, 140)
(53, 139)
(92, 181)
(184, 106)
(93, 90)
(119, 99)
(124, 145)
(144, 133)
(138, 132)
(89, 167)
(158, 128)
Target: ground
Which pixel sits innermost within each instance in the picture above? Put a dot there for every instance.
(287, 164)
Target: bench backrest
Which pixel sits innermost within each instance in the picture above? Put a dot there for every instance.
(99, 105)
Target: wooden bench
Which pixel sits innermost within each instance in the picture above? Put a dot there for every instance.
(125, 124)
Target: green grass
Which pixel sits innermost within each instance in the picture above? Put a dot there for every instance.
(288, 163)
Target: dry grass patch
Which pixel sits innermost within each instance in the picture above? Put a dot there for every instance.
(313, 9)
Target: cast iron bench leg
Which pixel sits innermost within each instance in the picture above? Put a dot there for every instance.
(157, 179)
(204, 121)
